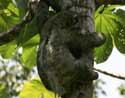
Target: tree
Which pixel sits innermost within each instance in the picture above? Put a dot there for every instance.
(67, 39)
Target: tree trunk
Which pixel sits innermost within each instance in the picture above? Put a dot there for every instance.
(86, 9)
(65, 56)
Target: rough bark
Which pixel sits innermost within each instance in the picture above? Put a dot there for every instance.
(65, 56)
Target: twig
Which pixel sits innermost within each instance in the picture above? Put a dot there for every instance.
(110, 74)
(12, 32)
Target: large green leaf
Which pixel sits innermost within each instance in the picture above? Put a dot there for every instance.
(28, 56)
(36, 89)
(108, 22)
(8, 50)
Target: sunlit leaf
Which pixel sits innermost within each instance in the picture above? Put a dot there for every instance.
(8, 50)
(36, 89)
(32, 42)
(13, 10)
(28, 56)
(107, 22)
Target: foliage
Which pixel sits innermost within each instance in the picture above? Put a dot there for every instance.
(8, 15)
(27, 39)
(39, 92)
(12, 76)
(110, 21)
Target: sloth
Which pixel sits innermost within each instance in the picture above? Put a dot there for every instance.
(65, 54)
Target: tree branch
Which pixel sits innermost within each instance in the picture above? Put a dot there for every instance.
(10, 34)
(110, 74)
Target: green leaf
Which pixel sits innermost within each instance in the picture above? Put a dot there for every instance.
(111, 8)
(8, 17)
(99, 10)
(28, 56)
(13, 10)
(36, 89)
(22, 6)
(102, 9)
(119, 37)
(8, 50)
(113, 26)
(121, 16)
(102, 53)
(30, 31)
(3, 92)
(107, 23)
(119, 40)
(3, 25)
(32, 42)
